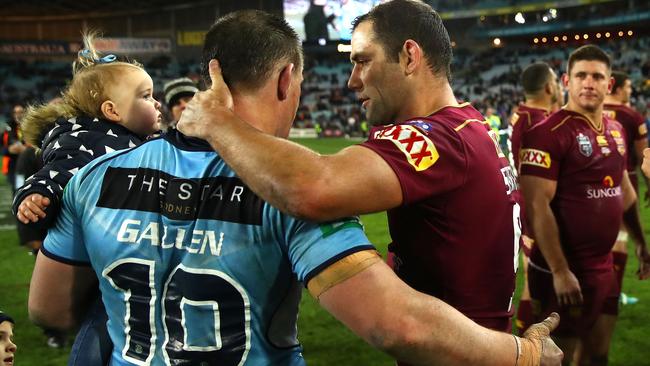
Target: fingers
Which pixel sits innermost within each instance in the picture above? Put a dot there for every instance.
(551, 322)
(215, 75)
(32, 208)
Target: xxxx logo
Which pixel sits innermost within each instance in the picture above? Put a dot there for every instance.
(535, 157)
(418, 149)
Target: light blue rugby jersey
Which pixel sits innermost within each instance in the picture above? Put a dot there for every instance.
(193, 271)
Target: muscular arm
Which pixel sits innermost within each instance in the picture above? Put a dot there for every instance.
(302, 182)
(538, 194)
(639, 147)
(59, 293)
(413, 327)
(292, 178)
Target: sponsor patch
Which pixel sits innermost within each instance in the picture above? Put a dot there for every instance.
(514, 119)
(643, 130)
(609, 114)
(605, 150)
(330, 228)
(420, 152)
(535, 157)
(615, 133)
(601, 140)
(584, 145)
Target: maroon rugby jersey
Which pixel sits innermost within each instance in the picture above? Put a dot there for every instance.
(522, 120)
(456, 236)
(634, 126)
(588, 166)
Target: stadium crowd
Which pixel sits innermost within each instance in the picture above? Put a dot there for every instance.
(441, 153)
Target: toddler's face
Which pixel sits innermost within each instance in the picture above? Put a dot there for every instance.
(7, 346)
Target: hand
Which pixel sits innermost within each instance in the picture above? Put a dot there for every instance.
(567, 288)
(16, 148)
(32, 208)
(538, 338)
(645, 166)
(201, 115)
(644, 262)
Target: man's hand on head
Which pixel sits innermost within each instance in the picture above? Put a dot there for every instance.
(207, 108)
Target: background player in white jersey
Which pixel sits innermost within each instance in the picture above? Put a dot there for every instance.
(195, 268)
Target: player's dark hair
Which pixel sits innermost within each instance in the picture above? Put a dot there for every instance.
(534, 77)
(396, 21)
(619, 80)
(589, 53)
(248, 45)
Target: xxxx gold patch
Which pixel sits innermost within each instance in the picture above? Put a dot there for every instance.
(535, 157)
(418, 149)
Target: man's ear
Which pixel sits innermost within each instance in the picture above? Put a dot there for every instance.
(284, 81)
(565, 80)
(610, 86)
(411, 56)
(110, 112)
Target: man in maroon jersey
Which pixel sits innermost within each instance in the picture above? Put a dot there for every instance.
(645, 167)
(576, 191)
(636, 132)
(431, 162)
(542, 91)
(636, 138)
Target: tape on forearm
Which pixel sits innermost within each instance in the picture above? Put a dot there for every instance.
(341, 271)
(529, 351)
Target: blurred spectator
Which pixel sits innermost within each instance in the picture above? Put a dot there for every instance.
(178, 93)
(12, 145)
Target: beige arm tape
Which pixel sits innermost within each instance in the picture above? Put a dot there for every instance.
(529, 349)
(341, 271)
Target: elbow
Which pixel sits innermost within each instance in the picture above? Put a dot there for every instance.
(398, 337)
(45, 319)
(311, 202)
(45, 316)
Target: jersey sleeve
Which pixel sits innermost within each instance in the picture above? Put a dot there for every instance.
(64, 241)
(426, 164)
(641, 130)
(312, 247)
(541, 153)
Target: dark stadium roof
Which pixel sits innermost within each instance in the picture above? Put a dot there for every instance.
(16, 9)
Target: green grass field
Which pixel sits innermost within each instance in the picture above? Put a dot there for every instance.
(325, 341)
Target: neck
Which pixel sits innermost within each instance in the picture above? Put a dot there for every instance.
(612, 99)
(539, 103)
(423, 102)
(595, 116)
(251, 108)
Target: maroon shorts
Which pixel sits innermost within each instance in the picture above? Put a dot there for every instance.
(575, 321)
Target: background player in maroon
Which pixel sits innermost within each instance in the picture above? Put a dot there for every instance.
(576, 189)
(542, 92)
(616, 108)
(437, 169)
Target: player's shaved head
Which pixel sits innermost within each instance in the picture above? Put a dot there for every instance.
(248, 45)
(535, 76)
(396, 21)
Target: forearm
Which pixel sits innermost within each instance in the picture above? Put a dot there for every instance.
(547, 237)
(283, 173)
(411, 326)
(455, 339)
(632, 221)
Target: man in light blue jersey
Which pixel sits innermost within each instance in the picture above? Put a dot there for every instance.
(195, 269)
